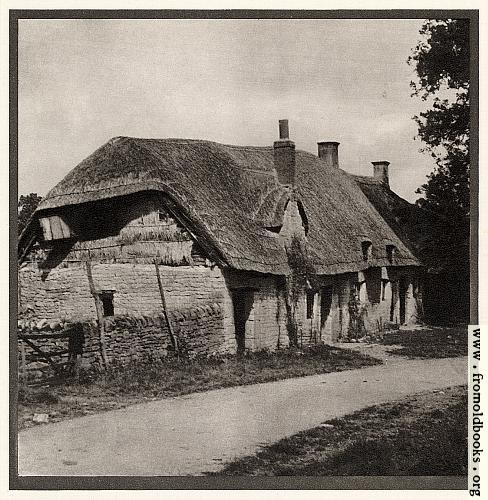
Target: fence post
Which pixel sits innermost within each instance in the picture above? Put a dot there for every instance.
(172, 336)
(101, 327)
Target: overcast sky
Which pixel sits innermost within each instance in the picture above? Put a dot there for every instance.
(82, 82)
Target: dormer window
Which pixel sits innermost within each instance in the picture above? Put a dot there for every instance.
(366, 247)
(390, 253)
(274, 229)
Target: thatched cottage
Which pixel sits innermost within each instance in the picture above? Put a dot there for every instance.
(254, 246)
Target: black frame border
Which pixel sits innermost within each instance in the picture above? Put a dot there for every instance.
(224, 483)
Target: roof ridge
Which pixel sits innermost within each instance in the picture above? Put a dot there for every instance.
(180, 140)
(368, 178)
(176, 140)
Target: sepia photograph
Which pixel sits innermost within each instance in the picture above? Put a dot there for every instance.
(245, 246)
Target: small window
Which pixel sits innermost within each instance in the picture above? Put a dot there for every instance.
(366, 248)
(383, 289)
(390, 252)
(107, 300)
(310, 302)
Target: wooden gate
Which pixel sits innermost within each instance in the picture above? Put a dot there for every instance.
(64, 361)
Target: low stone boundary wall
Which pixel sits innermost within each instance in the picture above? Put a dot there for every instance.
(199, 331)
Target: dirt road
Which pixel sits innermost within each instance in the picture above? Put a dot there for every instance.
(191, 434)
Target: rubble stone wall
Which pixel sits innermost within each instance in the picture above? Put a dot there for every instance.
(199, 331)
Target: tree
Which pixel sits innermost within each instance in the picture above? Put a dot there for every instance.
(442, 65)
(441, 61)
(25, 208)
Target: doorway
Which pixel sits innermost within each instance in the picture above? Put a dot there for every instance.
(402, 292)
(325, 305)
(242, 300)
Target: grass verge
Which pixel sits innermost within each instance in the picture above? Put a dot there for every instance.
(434, 342)
(156, 379)
(425, 435)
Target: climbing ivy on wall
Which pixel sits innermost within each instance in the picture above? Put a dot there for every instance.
(301, 278)
(357, 311)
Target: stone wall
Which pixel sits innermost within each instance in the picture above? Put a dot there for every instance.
(376, 292)
(266, 326)
(199, 330)
(380, 297)
(335, 326)
(379, 302)
(293, 224)
(64, 292)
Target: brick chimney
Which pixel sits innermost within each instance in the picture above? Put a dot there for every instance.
(329, 152)
(381, 171)
(284, 156)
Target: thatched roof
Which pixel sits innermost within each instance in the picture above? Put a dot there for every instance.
(230, 195)
(415, 226)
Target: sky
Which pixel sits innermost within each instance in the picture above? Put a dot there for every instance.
(82, 82)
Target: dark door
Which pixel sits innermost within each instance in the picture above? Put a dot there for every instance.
(242, 301)
(402, 296)
(325, 304)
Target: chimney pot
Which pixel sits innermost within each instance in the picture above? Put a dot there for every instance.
(284, 132)
(380, 171)
(284, 156)
(329, 152)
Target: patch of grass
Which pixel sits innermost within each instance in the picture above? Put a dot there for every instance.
(42, 396)
(423, 435)
(432, 343)
(159, 378)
